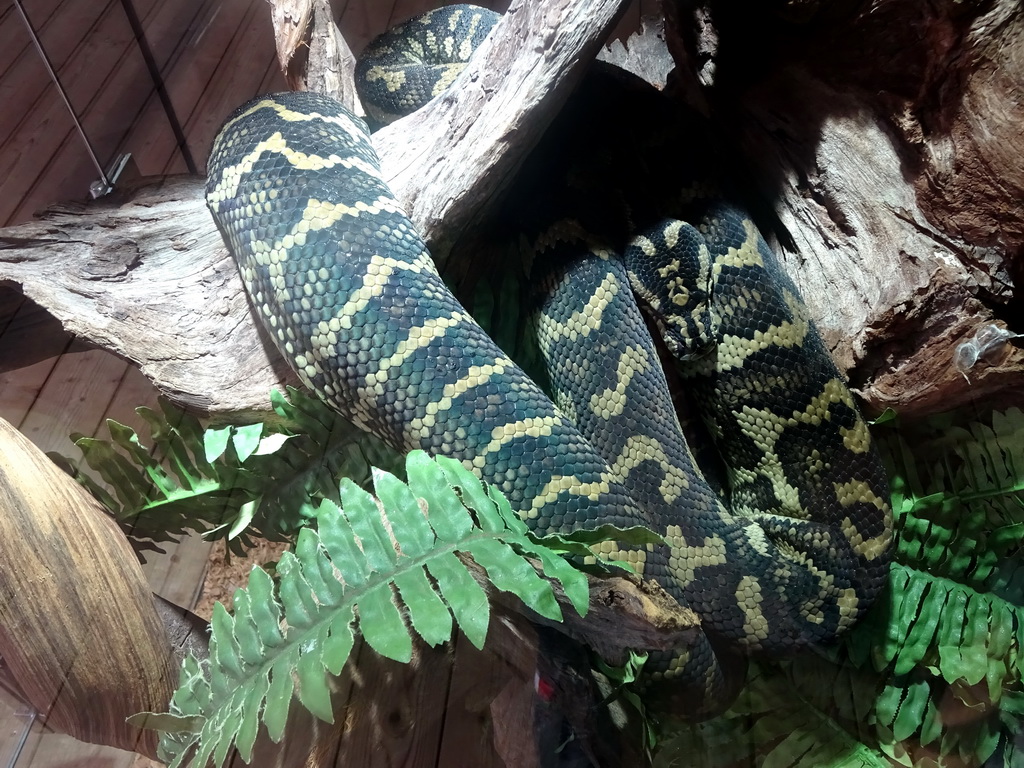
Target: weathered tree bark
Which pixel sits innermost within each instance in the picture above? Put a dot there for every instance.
(312, 52)
(884, 136)
(894, 178)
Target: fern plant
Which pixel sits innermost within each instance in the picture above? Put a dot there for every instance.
(388, 566)
(775, 725)
(355, 555)
(933, 676)
(951, 642)
(231, 482)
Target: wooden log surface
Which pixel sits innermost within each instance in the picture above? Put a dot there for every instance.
(886, 138)
(78, 628)
(899, 211)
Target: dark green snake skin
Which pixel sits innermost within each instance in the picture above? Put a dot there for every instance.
(791, 553)
(413, 62)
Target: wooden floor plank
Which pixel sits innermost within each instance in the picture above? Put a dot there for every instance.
(31, 334)
(120, 96)
(74, 398)
(151, 142)
(476, 679)
(399, 11)
(67, 175)
(27, 151)
(272, 80)
(20, 388)
(56, 750)
(359, 22)
(15, 719)
(396, 711)
(171, 29)
(29, 347)
(120, 91)
(178, 574)
(10, 302)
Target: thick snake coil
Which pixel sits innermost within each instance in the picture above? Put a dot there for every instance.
(790, 553)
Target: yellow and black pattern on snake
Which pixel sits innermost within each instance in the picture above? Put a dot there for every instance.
(797, 546)
(764, 575)
(351, 297)
(407, 66)
(797, 452)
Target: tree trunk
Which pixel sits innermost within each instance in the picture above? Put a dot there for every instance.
(78, 628)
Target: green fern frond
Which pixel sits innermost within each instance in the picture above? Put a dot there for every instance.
(947, 640)
(230, 482)
(955, 602)
(915, 719)
(933, 675)
(388, 566)
(782, 728)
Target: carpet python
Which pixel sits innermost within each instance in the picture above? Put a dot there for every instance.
(788, 552)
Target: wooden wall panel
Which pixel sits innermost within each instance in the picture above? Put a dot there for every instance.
(31, 342)
(170, 33)
(225, 66)
(23, 78)
(44, 153)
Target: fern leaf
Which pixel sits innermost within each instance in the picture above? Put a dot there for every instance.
(429, 616)
(464, 596)
(768, 721)
(946, 643)
(229, 482)
(930, 676)
(368, 563)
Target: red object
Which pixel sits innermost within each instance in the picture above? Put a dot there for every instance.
(545, 688)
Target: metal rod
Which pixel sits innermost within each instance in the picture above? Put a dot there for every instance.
(63, 94)
(30, 715)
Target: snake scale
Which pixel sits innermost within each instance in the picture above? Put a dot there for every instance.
(793, 547)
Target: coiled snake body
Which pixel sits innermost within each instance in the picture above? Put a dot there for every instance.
(791, 552)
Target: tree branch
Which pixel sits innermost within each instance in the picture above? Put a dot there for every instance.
(448, 161)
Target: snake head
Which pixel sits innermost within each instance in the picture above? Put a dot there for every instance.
(670, 272)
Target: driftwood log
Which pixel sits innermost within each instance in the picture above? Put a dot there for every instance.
(882, 137)
(891, 173)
